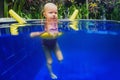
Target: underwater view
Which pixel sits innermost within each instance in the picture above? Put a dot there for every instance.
(90, 53)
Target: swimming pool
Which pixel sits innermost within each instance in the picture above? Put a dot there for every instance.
(92, 53)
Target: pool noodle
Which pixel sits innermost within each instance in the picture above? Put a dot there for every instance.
(16, 17)
(47, 35)
(74, 15)
(72, 18)
(14, 27)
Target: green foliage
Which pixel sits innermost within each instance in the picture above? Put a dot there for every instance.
(33, 10)
(84, 11)
(5, 8)
(116, 12)
(17, 6)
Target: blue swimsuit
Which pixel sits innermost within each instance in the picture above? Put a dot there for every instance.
(49, 43)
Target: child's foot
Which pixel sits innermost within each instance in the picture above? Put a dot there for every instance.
(53, 76)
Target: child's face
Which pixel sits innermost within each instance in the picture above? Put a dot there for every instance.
(51, 13)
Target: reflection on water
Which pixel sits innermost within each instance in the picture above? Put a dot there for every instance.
(89, 26)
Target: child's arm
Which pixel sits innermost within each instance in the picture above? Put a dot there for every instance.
(35, 34)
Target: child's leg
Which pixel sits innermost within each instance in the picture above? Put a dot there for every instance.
(58, 52)
(49, 62)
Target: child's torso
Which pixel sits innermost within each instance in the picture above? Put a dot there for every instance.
(52, 27)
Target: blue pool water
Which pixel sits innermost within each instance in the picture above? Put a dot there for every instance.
(92, 53)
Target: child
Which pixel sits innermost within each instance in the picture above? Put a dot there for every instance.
(51, 26)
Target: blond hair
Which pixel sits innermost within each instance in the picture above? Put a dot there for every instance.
(48, 5)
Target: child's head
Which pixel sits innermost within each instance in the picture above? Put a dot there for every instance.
(50, 12)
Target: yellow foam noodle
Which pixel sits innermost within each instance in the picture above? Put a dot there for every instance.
(14, 28)
(46, 35)
(60, 33)
(74, 25)
(73, 22)
(74, 15)
(16, 17)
